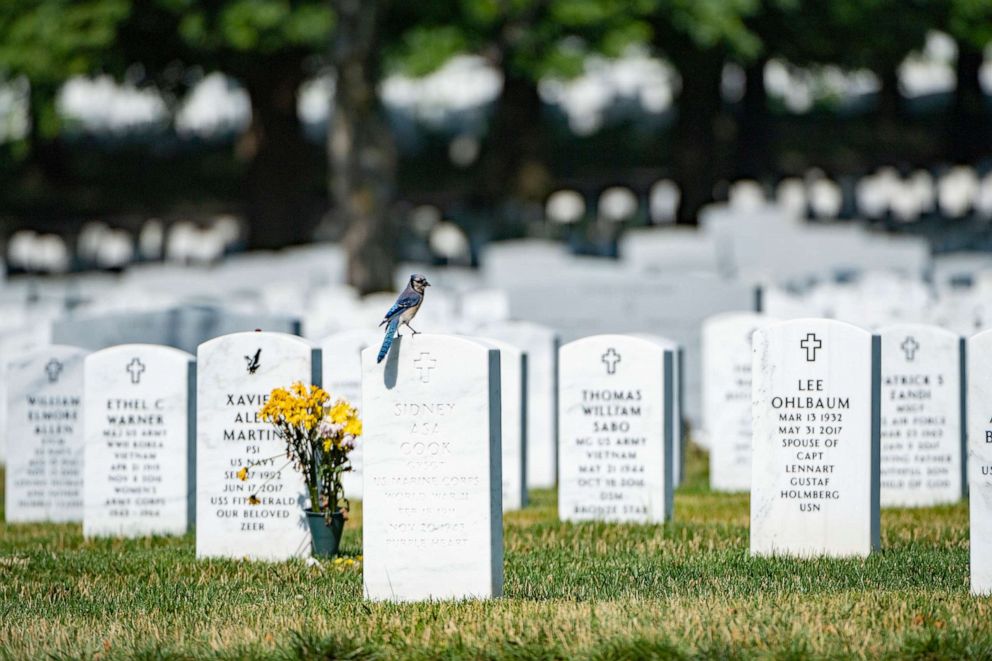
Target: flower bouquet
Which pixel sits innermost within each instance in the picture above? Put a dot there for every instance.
(319, 436)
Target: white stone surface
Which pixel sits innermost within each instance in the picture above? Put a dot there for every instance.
(16, 342)
(980, 459)
(341, 363)
(138, 406)
(540, 343)
(814, 479)
(432, 518)
(615, 437)
(727, 396)
(921, 440)
(229, 435)
(45, 436)
(513, 422)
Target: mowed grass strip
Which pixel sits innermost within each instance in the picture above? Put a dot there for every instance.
(593, 591)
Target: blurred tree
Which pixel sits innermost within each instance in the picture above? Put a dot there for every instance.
(754, 131)
(970, 23)
(875, 35)
(525, 40)
(271, 47)
(698, 37)
(360, 147)
(48, 42)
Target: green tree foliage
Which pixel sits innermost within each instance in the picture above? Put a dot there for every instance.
(48, 42)
(970, 21)
(271, 47)
(268, 45)
(525, 40)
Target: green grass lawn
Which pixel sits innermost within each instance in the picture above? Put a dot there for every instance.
(592, 591)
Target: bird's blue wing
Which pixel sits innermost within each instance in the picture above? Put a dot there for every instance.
(402, 303)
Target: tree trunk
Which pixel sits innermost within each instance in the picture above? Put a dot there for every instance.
(511, 157)
(969, 134)
(694, 145)
(277, 171)
(889, 107)
(47, 151)
(754, 132)
(361, 150)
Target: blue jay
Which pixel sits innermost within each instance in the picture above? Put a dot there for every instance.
(403, 311)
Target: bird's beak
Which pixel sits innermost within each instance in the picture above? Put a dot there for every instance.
(427, 284)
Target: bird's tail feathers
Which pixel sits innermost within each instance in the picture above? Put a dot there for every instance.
(387, 341)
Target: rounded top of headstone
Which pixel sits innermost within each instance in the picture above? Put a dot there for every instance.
(817, 322)
(565, 207)
(663, 201)
(617, 204)
(746, 194)
(633, 341)
(160, 349)
(915, 327)
(433, 345)
(449, 241)
(660, 340)
(252, 336)
(20, 248)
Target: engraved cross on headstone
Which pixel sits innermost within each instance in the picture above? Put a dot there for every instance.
(424, 365)
(910, 347)
(135, 368)
(811, 344)
(610, 359)
(53, 369)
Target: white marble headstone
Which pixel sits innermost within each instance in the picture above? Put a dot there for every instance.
(814, 478)
(14, 343)
(341, 362)
(922, 441)
(235, 375)
(980, 459)
(726, 342)
(44, 429)
(432, 518)
(540, 343)
(513, 422)
(615, 405)
(139, 406)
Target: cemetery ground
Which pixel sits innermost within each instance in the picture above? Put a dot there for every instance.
(687, 589)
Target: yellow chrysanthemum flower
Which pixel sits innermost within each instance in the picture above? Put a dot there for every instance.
(340, 412)
(243, 474)
(353, 427)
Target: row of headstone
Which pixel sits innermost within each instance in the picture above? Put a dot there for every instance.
(922, 408)
(139, 417)
(836, 434)
(433, 469)
(102, 438)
